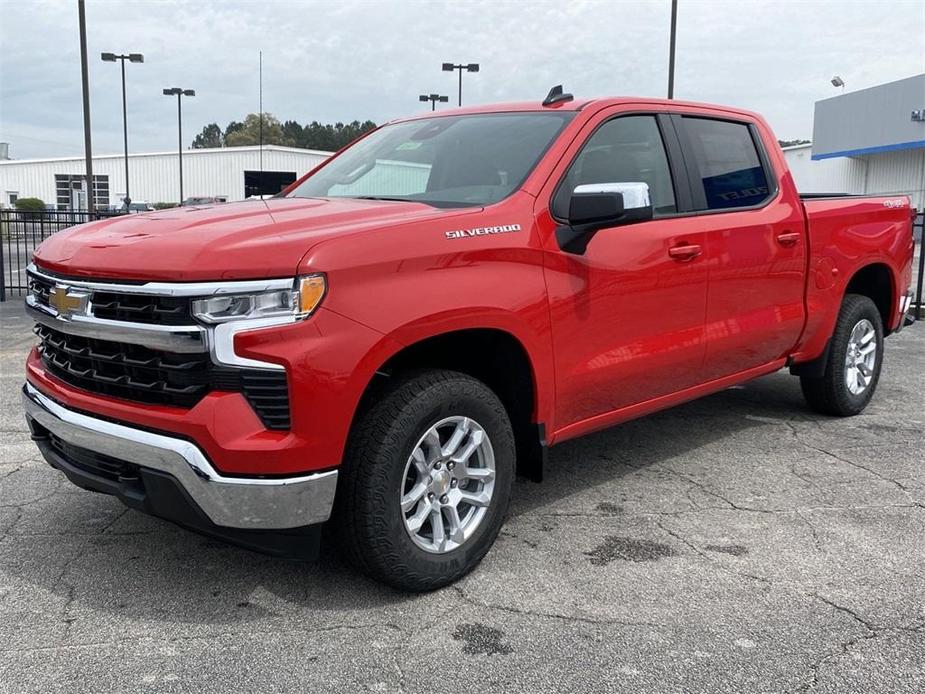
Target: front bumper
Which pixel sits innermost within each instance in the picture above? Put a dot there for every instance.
(235, 503)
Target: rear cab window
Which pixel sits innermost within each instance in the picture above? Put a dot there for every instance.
(729, 169)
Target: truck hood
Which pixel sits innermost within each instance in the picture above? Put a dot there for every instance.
(244, 240)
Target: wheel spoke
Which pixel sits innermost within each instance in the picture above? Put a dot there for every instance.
(432, 441)
(480, 474)
(420, 462)
(867, 337)
(459, 433)
(415, 522)
(862, 379)
(475, 499)
(409, 500)
(865, 370)
(867, 349)
(456, 530)
(475, 440)
(436, 523)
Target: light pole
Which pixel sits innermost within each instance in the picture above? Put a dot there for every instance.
(433, 99)
(470, 67)
(132, 58)
(85, 86)
(180, 93)
(671, 44)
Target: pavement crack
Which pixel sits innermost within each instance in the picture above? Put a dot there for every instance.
(553, 615)
(857, 465)
(712, 560)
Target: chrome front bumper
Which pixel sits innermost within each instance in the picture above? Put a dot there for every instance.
(250, 503)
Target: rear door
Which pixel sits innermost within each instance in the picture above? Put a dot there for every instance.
(755, 241)
(627, 315)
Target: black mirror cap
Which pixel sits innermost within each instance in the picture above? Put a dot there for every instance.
(591, 212)
(595, 208)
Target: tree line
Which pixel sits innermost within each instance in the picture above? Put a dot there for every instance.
(324, 136)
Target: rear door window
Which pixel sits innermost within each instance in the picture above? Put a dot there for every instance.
(727, 158)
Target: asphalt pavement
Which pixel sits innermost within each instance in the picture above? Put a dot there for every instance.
(739, 543)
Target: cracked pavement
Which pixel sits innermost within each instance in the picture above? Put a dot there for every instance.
(736, 543)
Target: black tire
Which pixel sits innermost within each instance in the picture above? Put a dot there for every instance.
(830, 393)
(368, 523)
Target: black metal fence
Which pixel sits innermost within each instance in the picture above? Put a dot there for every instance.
(21, 231)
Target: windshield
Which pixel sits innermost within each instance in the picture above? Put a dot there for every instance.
(449, 161)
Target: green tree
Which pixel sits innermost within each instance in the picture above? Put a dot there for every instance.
(211, 136)
(293, 134)
(791, 143)
(29, 208)
(249, 133)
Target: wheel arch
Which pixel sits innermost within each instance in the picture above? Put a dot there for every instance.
(494, 355)
(878, 282)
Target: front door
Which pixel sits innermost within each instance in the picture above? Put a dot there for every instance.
(627, 316)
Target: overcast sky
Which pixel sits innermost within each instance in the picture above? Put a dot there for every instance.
(353, 59)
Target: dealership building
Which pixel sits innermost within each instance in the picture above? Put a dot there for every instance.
(233, 173)
(871, 141)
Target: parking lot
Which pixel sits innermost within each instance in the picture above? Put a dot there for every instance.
(738, 543)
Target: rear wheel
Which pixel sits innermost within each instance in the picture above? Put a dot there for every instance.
(426, 480)
(855, 359)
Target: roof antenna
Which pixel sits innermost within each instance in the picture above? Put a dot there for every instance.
(556, 96)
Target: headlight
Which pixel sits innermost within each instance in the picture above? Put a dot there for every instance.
(298, 302)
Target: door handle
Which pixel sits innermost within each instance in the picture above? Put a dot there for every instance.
(788, 238)
(685, 251)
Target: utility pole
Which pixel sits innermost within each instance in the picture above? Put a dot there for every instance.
(674, 28)
(85, 84)
(260, 127)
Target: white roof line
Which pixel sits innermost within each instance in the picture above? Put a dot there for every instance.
(186, 152)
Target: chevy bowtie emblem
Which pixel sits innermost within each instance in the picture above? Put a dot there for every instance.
(66, 301)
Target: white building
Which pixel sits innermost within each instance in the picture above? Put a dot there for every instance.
(871, 141)
(231, 172)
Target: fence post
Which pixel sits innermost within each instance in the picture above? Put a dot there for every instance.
(2, 264)
(919, 222)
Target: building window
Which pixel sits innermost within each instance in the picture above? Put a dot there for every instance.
(69, 191)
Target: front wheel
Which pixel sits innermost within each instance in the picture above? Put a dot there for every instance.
(855, 359)
(426, 480)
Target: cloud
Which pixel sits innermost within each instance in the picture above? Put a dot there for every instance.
(357, 60)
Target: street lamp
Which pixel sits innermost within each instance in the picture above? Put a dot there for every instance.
(132, 58)
(433, 99)
(180, 93)
(471, 67)
(838, 82)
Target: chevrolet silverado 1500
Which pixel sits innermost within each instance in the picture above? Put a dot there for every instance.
(380, 347)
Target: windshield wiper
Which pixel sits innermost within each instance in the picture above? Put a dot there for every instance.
(383, 197)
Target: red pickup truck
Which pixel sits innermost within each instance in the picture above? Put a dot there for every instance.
(380, 347)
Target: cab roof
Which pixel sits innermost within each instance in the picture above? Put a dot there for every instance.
(577, 105)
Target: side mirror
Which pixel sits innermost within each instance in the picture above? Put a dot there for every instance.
(596, 206)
